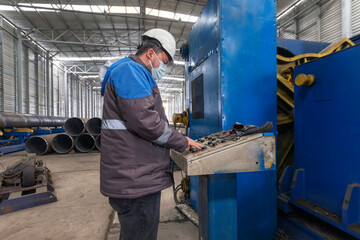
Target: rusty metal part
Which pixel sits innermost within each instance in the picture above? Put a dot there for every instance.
(25, 184)
(40, 144)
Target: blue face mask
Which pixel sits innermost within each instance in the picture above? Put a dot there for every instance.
(159, 72)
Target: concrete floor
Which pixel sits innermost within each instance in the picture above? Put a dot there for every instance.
(81, 212)
(173, 224)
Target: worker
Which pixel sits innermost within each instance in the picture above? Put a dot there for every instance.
(136, 137)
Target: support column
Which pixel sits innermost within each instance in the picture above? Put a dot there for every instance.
(86, 101)
(346, 18)
(58, 100)
(48, 84)
(52, 97)
(66, 92)
(37, 83)
(19, 69)
(296, 24)
(77, 97)
(93, 102)
(318, 22)
(80, 100)
(2, 107)
(90, 99)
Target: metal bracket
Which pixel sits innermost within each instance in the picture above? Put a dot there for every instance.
(298, 185)
(351, 205)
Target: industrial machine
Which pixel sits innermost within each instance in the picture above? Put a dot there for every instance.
(231, 77)
(292, 53)
(25, 184)
(228, 153)
(318, 196)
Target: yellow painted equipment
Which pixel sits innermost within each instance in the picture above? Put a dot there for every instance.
(303, 79)
(181, 118)
(29, 130)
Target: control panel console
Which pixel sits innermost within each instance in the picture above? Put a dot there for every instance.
(225, 152)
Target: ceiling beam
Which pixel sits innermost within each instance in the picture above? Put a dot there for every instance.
(84, 43)
(134, 16)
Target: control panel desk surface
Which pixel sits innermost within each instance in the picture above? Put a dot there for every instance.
(225, 152)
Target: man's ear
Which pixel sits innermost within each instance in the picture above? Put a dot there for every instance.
(150, 53)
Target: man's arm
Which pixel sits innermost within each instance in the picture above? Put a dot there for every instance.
(137, 105)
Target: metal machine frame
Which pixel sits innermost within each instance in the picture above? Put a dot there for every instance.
(323, 186)
(231, 77)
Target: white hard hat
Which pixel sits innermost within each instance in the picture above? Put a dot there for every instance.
(166, 39)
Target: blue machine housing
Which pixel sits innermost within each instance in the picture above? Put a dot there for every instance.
(298, 47)
(232, 48)
(325, 179)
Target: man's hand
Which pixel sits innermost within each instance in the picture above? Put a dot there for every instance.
(193, 144)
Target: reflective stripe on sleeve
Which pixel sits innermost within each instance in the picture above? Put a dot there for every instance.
(164, 137)
(113, 124)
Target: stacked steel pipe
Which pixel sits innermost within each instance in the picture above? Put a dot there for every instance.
(63, 143)
(82, 134)
(40, 144)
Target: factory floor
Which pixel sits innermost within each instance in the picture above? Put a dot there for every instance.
(81, 212)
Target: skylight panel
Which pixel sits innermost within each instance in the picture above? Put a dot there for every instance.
(46, 7)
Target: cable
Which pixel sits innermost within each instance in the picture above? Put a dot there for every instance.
(14, 171)
(178, 187)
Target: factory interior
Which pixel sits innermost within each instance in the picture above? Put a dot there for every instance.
(263, 94)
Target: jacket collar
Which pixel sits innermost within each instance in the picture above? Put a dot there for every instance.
(138, 60)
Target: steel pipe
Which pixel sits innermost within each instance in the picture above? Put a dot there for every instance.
(10, 120)
(98, 142)
(75, 126)
(40, 144)
(93, 126)
(63, 143)
(84, 143)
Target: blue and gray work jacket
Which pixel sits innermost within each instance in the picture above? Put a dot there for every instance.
(135, 134)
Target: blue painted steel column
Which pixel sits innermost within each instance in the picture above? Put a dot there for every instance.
(248, 93)
(232, 47)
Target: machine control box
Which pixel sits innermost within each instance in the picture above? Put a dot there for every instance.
(225, 152)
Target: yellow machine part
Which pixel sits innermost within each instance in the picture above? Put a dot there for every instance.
(185, 185)
(181, 118)
(19, 130)
(334, 47)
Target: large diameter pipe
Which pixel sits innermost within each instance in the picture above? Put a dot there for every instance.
(63, 143)
(75, 126)
(98, 142)
(93, 126)
(40, 144)
(10, 120)
(84, 143)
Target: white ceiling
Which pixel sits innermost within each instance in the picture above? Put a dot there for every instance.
(67, 29)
